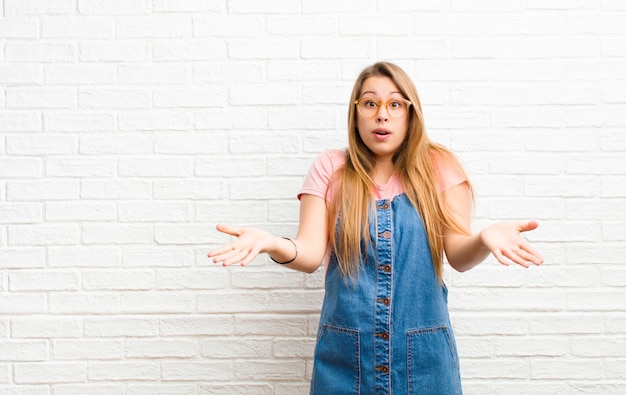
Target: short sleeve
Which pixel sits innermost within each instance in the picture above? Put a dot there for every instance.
(321, 172)
(449, 174)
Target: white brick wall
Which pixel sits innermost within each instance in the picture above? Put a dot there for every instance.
(128, 128)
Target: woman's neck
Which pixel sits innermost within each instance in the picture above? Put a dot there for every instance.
(383, 171)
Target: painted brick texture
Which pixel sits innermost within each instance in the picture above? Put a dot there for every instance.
(128, 128)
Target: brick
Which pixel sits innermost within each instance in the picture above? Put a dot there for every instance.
(222, 72)
(76, 27)
(442, 24)
(79, 122)
(155, 167)
(189, 50)
(191, 188)
(230, 119)
(96, 98)
(157, 302)
(132, 51)
(184, 234)
(153, 212)
(92, 389)
(275, 142)
(151, 120)
(18, 121)
(270, 369)
(121, 326)
(192, 279)
(330, 7)
(43, 280)
(123, 280)
(79, 74)
(22, 258)
(189, 97)
(253, 7)
(381, 25)
(233, 212)
(197, 371)
(116, 144)
(115, 189)
(117, 371)
(303, 25)
(42, 235)
(566, 47)
(49, 372)
(20, 213)
(114, 7)
(226, 167)
(529, 24)
(165, 73)
(152, 26)
(187, 5)
(19, 27)
(80, 167)
(46, 327)
(229, 26)
(20, 168)
(38, 7)
(566, 369)
(223, 348)
(317, 119)
(194, 325)
(78, 349)
(141, 348)
(33, 191)
(337, 48)
(39, 144)
(20, 74)
(83, 303)
(78, 211)
(157, 257)
(23, 351)
(117, 233)
(47, 52)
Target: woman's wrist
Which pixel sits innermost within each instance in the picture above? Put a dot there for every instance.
(277, 249)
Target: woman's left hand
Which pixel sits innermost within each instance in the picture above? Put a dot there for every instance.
(506, 243)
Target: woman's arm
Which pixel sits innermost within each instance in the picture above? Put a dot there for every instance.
(502, 239)
(310, 243)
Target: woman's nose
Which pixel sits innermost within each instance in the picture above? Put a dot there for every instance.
(383, 114)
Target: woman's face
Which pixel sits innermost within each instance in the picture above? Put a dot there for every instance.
(382, 116)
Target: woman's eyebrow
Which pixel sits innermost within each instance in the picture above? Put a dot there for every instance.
(376, 94)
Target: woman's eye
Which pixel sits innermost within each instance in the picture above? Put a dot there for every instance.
(371, 103)
(395, 104)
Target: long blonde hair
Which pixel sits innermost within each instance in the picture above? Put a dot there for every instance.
(415, 163)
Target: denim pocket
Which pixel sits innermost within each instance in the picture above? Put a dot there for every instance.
(336, 367)
(432, 362)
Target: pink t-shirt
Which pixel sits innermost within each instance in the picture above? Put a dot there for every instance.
(327, 163)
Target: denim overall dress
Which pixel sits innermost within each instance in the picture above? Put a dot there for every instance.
(387, 331)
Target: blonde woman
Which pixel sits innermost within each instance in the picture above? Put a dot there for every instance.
(385, 211)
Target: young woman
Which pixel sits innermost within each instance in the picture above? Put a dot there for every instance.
(384, 212)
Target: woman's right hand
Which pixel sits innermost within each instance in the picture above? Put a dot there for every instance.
(249, 243)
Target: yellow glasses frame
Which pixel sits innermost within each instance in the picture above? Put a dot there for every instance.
(378, 106)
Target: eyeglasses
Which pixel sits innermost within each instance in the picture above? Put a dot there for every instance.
(396, 108)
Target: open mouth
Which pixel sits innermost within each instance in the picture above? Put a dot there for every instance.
(382, 132)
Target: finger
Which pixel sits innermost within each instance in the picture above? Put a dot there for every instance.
(220, 250)
(514, 257)
(528, 226)
(230, 230)
(237, 256)
(501, 258)
(533, 255)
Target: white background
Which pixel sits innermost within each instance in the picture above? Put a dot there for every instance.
(128, 128)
